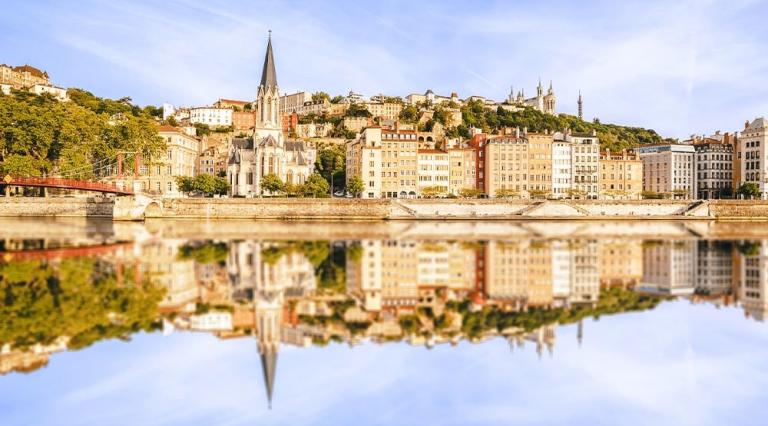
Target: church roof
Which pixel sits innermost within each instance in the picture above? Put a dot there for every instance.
(268, 74)
(268, 140)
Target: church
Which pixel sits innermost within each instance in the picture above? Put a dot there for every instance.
(266, 151)
(545, 103)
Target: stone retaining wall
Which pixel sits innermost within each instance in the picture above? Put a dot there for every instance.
(56, 207)
(140, 207)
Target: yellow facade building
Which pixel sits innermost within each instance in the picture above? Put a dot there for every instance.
(621, 176)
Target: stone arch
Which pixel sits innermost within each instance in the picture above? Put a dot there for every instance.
(153, 209)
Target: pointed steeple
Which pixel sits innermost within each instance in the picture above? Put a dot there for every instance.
(551, 90)
(268, 366)
(268, 74)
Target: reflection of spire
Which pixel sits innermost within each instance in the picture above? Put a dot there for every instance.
(268, 365)
(580, 332)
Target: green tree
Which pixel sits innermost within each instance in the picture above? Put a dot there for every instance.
(321, 96)
(337, 99)
(432, 191)
(185, 184)
(316, 186)
(357, 110)
(409, 114)
(749, 190)
(507, 193)
(221, 186)
(470, 193)
(205, 183)
(355, 186)
(272, 184)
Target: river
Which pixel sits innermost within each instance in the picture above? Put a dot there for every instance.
(245, 322)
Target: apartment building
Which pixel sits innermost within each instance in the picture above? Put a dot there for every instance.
(753, 149)
(433, 171)
(668, 169)
(385, 110)
(540, 164)
(621, 176)
(585, 154)
(713, 162)
(211, 116)
(506, 166)
(158, 176)
(364, 159)
(562, 171)
(463, 169)
(292, 102)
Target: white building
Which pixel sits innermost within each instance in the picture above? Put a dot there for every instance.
(213, 117)
(433, 170)
(669, 267)
(753, 149)
(57, 92)
(562, 171)
(585, 155)
(713, 163)
(668, 169)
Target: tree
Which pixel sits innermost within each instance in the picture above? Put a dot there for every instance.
(185, 184)
(205, 183)
(272, 183)
(576, 193)
(316, 186)
(470, 193)
(330, 161)
(506, 193)
(321, 96)
(537, 193)
(337, 99)
(355, 186)
(409, 114)
(221, 186)
(432, 191)
(357, 110)
(202, 129)
(749, 190)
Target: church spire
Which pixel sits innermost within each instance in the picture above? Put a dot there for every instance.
(268, 74)
(268, 366)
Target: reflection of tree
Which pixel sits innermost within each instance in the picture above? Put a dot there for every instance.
(491, 319)
(205, 253)
(42, 301)
(329, 261)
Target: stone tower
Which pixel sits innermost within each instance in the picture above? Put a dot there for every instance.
(268, 98)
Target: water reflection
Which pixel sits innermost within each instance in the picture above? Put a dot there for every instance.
(61, 294)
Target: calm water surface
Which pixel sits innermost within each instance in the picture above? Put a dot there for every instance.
(383, 323)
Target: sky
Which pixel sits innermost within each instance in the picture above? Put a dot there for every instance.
(680, 67)
(680, 364)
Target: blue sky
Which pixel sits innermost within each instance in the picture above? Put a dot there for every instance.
(679, 67)
(680, 364)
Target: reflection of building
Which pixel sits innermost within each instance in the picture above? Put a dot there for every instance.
(669, 267)
(621, 262)
(164, 267)
(714, 269)
(753, 292)
(519, 273)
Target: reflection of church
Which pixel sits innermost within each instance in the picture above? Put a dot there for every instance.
(266, 152)
(261, 273)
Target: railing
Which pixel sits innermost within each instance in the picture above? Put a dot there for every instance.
(67, 184)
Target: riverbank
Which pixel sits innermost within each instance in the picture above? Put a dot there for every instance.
(137, 208)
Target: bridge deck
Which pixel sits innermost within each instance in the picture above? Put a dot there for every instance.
(60, 183)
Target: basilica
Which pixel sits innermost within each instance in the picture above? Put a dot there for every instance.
(266, 151)
(545, 103)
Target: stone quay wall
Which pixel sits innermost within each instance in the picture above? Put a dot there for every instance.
(140, 207)
(56, 207)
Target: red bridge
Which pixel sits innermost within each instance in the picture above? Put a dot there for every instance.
(59, 183)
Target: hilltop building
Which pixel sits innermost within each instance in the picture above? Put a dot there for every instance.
(546, 103)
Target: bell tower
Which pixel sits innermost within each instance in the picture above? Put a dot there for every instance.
(268, 98)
